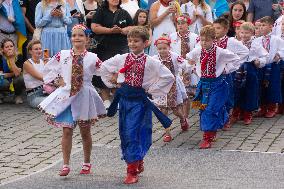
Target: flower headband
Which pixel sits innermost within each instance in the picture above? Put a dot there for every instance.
(237, 23)
(82, 27)
(162, 40)
(181, 19)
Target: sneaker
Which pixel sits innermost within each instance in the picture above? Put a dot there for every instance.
(18, 100)
(106, 104)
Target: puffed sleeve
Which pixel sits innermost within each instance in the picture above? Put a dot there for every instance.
(238, 48)
(261, 54)
(40, 19)
(230, 59)
(52, 69)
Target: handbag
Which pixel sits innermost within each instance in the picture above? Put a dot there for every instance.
(37, 33)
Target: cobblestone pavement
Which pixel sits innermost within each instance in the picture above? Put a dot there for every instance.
(28, 144)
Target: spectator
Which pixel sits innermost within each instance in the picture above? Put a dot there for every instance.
(162, 20)
(11, 65)
(33, 70)
(200, 14)
(218, 7)
(259, 8)
(237, 13)
(130, 6)
(111, 24)
(12, 23)
(141, 18)
(53, 20)
(90, 7)
(75, 12)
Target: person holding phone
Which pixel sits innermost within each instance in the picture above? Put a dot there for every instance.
(53, 16)
(90, 7)
(75, 13)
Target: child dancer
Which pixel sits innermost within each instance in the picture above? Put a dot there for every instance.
(139, 74)
(212, 92)
(181, 43)
(221, 26)
(246, 86)
(177, 94)
(271, 81)
(75, 102)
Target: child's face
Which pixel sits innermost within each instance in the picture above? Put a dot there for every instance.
(257, 29)
(265, 28)
(163, 49)
(245, 35)
(142, 18)
(78, 38)
(238, 32)
(136, 44)
(9, 49)
(182, 27)
(220, 30)
(206, 42)
(36, 51)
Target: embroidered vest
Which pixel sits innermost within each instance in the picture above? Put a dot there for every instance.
(222, 43)
(208, 62)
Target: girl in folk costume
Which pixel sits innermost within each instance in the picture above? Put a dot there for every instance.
(271, 74)
(181, 43)
(138, 75)
(212, 92)
(76, 101)
(221, 26)
(246, 85)
(177, 95)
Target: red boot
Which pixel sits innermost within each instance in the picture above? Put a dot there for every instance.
(271, 111)
(208, 138)
(132, 176)
(247, 118)
(262, 111)
(184, 125)
(227, 126)
(235, 115)
(140, 166)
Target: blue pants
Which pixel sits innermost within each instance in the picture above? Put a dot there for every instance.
(230, 100)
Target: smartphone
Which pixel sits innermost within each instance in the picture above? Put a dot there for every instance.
(72, 12)
(58, 6)
(46, 53)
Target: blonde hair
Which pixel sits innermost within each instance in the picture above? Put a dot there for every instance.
(46, 2)
(32, 43)
(247, 26)
(208, 31)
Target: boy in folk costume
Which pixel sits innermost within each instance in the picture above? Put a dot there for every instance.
(138, 74)
(221, 26)
(271, 81)
(212, 91)
(75, 102)
(177, 95)
(246, 85)
(182, 42)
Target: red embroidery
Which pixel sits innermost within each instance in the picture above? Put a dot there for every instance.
(134, 69)
(98, 63)
(185, 40)
(266, 42)
(208, 62)
(248, 44)
(222, 43)
(180, 59)
(57, 56)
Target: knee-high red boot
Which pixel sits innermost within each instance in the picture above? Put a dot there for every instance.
(132, 174)
(271, 110)
(247, 118)
(208, 138)
(235, 115)
(140, 168)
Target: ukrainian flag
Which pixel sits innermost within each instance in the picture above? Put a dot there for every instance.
(19, 23)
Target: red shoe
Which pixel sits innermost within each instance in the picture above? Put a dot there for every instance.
(247, 118)
(64, 171)
(262, 111)
(86, 169)
(184, 125)
(227, 126)
(271, 111)
(208, 138)
(167, 138)
(140, 167)
(132, 174)
(235, 115)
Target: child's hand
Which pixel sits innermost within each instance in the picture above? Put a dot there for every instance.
(191, 62)
(276, 58)
(257, 63)
(113, 80)
(59, 82)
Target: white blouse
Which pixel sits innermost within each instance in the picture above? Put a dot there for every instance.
(30, 81)
(157, 79)
(189, 9)
(225, 60)
(277, 27)
(176, 42)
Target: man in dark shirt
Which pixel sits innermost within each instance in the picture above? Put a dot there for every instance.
(260, 8)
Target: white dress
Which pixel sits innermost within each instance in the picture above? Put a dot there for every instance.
(179, 64)
(165, 27)
(86, 105)
(157, 79)
(131, 7)
(189, 9)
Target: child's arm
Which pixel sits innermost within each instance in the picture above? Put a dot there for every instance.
(238, 48)
(280, 50)
(261, 55)
(52, 69)
(230, 59)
